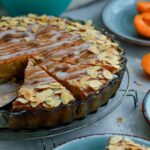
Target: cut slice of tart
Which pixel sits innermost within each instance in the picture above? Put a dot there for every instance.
(40, 91)
(120, 143)
(83, 80)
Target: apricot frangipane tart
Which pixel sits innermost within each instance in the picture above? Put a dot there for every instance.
(51, 52)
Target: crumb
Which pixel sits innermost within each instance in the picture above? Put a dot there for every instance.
(120, 120)
(138, 83)
(141, 108)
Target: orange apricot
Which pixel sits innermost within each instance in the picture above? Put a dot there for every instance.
(142, 24)
(143, 7)
(145, 63)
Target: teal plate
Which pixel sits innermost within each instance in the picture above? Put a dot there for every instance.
(146, 107)
(118, 17)
(96, 142)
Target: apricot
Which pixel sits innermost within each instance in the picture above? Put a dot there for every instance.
(145, 63)
(142, 24)
(143, 7)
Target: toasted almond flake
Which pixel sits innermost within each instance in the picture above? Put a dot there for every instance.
(93, 49)
(46, 106)
(107, 74)
(28, 39)
(69, 28)
(116, 66)
(115, 140)
(22, 100)
(34, 104)
(4, 24)
(38, 58)
(28, 20)
(54, 101)
(85, 78)
(44, 94)
(20, 28)
(92, 71)
(66, 97)
(102, 37)
(27, 93)
(95, 84)
(12, 22)
(59, 91)
(102, 56)
(5, 18)
(35, 99)
(93, 62)
(100, 76)
(35, 28)
(45, 86)
(84, 84)
(105, 45)
(55, 85)
(115, 44)
(32, 16)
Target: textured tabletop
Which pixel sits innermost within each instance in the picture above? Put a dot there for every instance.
(125, 119)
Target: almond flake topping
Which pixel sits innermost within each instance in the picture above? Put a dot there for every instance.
(93, 71)
(45, 94)
(45, 86)
(107, 74)
(95, 84)
(35, 28)
(66, 97)
(34, 104)
(22, 100)
(53, 101)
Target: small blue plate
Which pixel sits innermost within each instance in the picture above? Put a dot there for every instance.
(118, 17)
(95, 142)
(146, 107)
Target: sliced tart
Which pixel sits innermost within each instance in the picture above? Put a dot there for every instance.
(40, 91)
(120, 143)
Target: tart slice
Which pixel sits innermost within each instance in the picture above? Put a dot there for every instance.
(83, 80)
(40, 91)
(120, 143)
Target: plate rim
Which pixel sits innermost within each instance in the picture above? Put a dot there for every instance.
(134, 137)
(144, 104)
(121, 36)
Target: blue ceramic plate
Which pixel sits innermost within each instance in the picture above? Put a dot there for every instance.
(146, 107)
(95, 142)
(118, 17)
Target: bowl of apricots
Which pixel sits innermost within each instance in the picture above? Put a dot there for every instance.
(130, 20)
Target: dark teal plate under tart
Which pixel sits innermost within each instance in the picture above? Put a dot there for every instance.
(96, 142)
(118, 17)
(146, 107)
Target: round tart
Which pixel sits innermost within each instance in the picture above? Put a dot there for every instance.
(69, 69)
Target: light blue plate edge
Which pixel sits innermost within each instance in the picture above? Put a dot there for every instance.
(100, 138)
(105, 11)
(146, 108)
